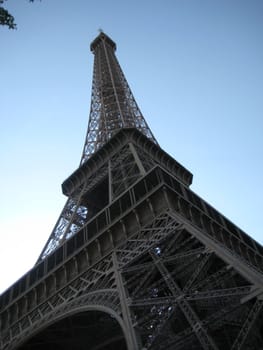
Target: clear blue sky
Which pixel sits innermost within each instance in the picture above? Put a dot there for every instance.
(196, 70)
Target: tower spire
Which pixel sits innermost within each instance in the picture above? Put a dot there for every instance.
(113, 105)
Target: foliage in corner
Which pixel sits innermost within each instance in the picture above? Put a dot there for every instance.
(6, 19)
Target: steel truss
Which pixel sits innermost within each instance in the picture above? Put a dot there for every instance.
(124, 159)
(168, 285)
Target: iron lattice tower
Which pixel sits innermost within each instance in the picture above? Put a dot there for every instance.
(113, 108)
(136, 260)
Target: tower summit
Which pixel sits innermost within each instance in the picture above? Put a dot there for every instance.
(113, 106)
(136, 259)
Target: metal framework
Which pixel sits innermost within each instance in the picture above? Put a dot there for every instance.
(113, 107)
(146, 264)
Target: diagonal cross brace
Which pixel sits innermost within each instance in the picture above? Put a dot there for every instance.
(244, 331)
(196, 324)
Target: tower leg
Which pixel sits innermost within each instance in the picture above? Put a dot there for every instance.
(131, 338)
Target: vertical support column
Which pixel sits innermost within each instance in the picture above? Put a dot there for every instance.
(132, 341)
(137, 159)
(110, 181)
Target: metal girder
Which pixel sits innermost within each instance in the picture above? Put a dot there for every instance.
(248, 324)
(204, 338)
(198, 269)
(238, 291)
(126, 311)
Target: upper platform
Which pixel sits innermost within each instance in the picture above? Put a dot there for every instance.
(124, 136)
(100, 38)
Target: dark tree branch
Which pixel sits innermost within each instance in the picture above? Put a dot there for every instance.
(6, 19)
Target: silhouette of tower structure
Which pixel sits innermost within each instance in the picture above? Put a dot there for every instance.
(136, 259)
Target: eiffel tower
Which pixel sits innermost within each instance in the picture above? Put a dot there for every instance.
(136, 259)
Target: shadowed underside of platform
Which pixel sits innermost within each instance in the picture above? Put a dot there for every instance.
(93, 330)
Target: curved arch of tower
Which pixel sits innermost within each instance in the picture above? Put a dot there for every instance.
(79, 326)
(136, 260)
